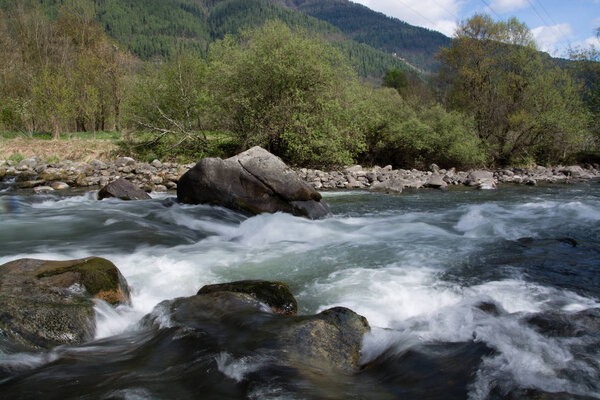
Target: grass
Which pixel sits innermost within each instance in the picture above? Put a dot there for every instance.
(63, 136)
(80, 146)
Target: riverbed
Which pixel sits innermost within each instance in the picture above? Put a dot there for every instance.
(479, 294)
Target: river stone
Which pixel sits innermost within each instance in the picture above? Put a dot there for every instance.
(124, 190)
(252, 182)
(59, 185)
(391, 186)
(480, 178)
(42, 189)
(436, 181)
(329, 340)
(277, 295)
(49, 303)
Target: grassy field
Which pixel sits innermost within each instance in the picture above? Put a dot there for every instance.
(80, 146)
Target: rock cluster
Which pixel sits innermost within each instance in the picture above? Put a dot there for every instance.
(329, 340)
(34, 174)
(389, 180)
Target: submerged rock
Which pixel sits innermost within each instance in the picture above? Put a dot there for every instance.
(276, 295)
(48, 303)
(124, 190)
(253, 182)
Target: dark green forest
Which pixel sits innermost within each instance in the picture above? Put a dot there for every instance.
(183, 79)
(415, 44)
(153, 29)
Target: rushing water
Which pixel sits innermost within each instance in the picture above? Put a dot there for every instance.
(470, 294)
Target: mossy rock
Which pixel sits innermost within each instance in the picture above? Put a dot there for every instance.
(277, 295)
(99, 276)
(330, 340)
(49, 303)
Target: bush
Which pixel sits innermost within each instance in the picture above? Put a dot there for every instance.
(408, 135)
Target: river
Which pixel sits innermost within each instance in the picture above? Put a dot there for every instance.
(470, 294)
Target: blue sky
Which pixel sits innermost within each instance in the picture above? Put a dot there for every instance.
(556, 24)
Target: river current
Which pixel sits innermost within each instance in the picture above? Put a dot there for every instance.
(470, 294)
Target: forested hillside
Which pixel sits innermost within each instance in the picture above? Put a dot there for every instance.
(415, 44)
(156, 28)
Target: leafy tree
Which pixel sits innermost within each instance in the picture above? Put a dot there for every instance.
(587, 69)
(288, 92)
(524, 109)
(412, 134)
(171, 103)
(395, 79)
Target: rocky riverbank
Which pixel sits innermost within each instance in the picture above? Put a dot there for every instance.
(39, 176)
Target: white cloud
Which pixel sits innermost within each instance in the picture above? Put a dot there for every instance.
(439, 15)
(551, 38)
(504, 6)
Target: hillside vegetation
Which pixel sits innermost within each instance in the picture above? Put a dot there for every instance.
(294, 91)
(415, 44)
(157, 28)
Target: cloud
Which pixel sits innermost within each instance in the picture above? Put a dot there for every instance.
(551, 38)
(504, 6)
(439, 15)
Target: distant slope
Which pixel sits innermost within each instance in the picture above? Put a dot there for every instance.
(155, 28)
(417, 45)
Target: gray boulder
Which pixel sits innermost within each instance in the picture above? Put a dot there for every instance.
(481, 179)
(390, 186)
(49, 303)
(252, 182)
(436, 181)
(124, 190)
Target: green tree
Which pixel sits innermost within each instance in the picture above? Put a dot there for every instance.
(408, 133)
(289, 92)
(395, 79)
(172, 104)
(524, 108)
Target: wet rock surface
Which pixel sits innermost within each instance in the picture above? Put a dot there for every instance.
(330, 340)
(276, 295)
(48, 303)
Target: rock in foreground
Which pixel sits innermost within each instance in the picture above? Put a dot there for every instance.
(124, 190)
(49, 303)
(240, 323)
(252, 182)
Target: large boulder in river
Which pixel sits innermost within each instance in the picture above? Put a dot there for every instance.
(124, 190)
(277, 295)
(252, 182)
(245, 326)
(48, 303)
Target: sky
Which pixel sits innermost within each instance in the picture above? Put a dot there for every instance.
(557, 25)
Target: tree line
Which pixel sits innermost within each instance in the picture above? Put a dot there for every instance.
(496, 100)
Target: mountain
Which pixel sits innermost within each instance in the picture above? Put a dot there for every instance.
(416, 45)
(155, 28)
